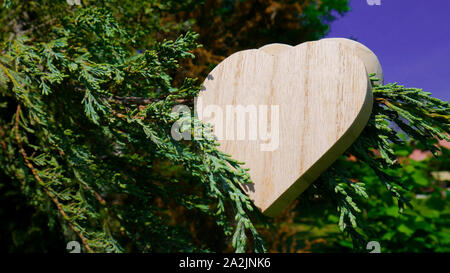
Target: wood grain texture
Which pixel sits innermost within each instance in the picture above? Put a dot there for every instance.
(369, 58)
(324, 99)
(275, 49)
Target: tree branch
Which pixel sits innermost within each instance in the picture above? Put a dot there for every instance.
(46, 189)
(142, 100)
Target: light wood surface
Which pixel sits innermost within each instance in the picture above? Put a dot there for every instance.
(324, 99)
(369, 58)
(364, 53)
(275, 49)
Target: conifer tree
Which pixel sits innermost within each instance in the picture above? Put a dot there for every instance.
(86, 98)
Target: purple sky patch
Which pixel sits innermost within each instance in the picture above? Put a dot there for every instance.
(411, 39)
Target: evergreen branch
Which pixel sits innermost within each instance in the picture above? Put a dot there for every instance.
(78, 84)
(210, 165)
(2, 137)
(145, 101)
(44, 187)
(427, 120)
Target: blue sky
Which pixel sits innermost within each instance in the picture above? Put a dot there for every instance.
(411, 39)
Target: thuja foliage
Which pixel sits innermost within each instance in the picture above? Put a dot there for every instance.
(399, 114)
(310, 223)
(69, 162)
(86, 99)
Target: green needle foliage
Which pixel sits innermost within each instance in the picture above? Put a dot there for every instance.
(125, 101)
(86, 100)
(398, 114)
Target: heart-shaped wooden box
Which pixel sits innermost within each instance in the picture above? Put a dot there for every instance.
(289, 112)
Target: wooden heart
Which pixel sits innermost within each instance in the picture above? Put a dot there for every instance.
(323, 98)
